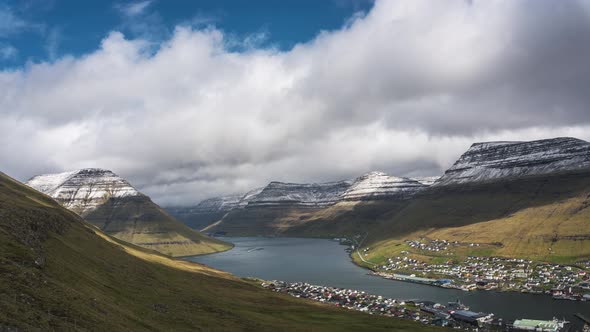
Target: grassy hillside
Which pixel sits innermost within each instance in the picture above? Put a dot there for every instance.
(542, 218)
(342, 219)
(59, 273)
(139, 221)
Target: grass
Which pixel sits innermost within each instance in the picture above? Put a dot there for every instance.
(59, 273)
(539, 218)
(140, 221)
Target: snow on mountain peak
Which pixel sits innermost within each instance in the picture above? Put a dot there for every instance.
(83, 190)
(378, 185)
(305, 195)
(489, 161)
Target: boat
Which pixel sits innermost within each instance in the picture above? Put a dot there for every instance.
(457, 305)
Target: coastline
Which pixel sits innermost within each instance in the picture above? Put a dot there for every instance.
(412, 279)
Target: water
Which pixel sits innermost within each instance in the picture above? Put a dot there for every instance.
(324, 262)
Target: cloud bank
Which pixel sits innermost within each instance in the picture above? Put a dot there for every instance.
(405, 88)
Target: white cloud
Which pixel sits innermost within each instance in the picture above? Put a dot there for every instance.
(133, 8)
(404, 89)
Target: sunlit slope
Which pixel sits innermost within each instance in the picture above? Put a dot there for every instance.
(138, 220)
(59, 273)
(541, 217)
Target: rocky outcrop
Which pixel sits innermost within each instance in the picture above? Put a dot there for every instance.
(491, 161)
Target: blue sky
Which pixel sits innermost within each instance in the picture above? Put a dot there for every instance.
(41, 30)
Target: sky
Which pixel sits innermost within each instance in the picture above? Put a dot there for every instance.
(195, 99)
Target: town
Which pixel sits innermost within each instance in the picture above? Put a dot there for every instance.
(563, 282)
(454, 314)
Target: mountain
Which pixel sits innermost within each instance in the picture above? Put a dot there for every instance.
(378, 185)
(516, 199)
(59, 273)
(490, 161)
(291, 209)
(206, 212)
(211, 210)
(117, 208)
(315, 195)
(83, 190)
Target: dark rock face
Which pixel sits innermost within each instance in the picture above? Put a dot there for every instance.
(499, 160)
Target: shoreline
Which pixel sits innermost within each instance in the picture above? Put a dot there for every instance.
(387, 276)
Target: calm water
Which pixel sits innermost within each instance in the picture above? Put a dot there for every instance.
(324, 262)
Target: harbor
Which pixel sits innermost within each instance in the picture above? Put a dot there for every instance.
(453, 315)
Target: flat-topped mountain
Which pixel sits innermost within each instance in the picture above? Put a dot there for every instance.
(378, 185)
(490, 161)
(113, 205)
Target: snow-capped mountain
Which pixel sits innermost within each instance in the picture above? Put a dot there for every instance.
(109, 202)
(83, 190)
(378, 185)
(250, 195)
(301, 195)
(490, 161)
(371, 186)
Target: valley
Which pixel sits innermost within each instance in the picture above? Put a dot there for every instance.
(522, 228)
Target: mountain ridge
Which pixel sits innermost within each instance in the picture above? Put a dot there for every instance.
(488, 161)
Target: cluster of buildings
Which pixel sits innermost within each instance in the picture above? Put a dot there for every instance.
(560, 281)
(454, 315)
(430, 245)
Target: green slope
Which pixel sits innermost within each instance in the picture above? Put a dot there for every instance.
(540, 217)
(140, 221)
(59, 273)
